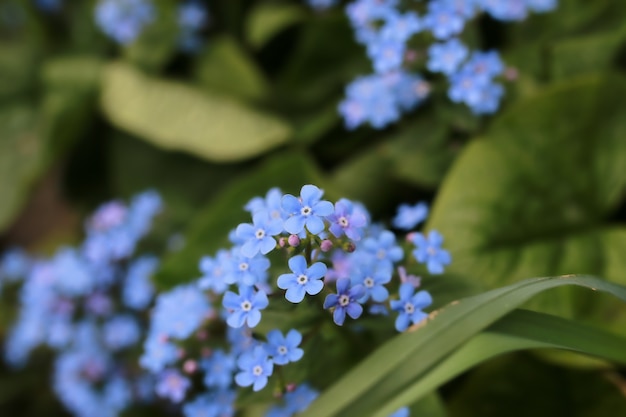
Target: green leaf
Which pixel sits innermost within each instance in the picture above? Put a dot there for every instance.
(22, 157)
(407, 356)
(225, 68)
(266, 20)
(18, 69)
(175, 116)
(534, 196)
(518, 386)
(208, 230)
(519, 330)
(582, 54)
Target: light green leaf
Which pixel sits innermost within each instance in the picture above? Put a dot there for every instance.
(266, 20)
(175, 116)
(407, 356)
(225, 68)
(533, 197)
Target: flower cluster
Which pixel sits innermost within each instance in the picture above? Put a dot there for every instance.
(313, 246)
(68, 303)
(389, 35)
(124, 20)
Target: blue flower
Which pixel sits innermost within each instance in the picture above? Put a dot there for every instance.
(120, 332)
(242, 270)
(429, 251)
(180, 312)
(386, 54)
(272, 203)
(14, 265)
(384, 249)
(303, 280)
(443, 21)
(372, 278)
(446, 57)
(345, 301)
(410, 306)
(256, 368)
(173, 385)
(284, 349)
(219, 368)
(124, 20)
(138, 289)
(298, 400)
(258, 236)
(214, 272)
(157, 354)
(401, 27)
(307, 210)
(347, 219)
(402, 412)
(246, 307)
(410, 216)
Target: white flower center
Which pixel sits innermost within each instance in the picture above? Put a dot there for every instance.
(282, 350)
(343, 222)
(302, 279)
(381, 254)
(344, 300)
(257, 370)
(244, 266)
(260, 234)
(431, 251)
(368, 282)
(306, 211)
(246, 306)
(409, 308)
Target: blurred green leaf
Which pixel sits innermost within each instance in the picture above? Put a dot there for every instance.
(582, 54)
(225, 68)
(18, 69)
(208, 230)
(175, 116)
(407, 357)
(266, 20)
(22, 156)
(535, 195)
(519, 330)
(518, 386)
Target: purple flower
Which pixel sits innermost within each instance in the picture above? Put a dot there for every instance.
(347, 219)
(256, 368)
(429, 251)
(302, 280)
(307, 210)
(258, 236)
(246, 307)
(410, 306)
(284, 349)
(345, 301)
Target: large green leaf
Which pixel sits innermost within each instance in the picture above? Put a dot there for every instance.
(534, 197)
(175, 116)
(519, 330)
(408, 356)
(518, 386)
(208, 230)
(226, 68)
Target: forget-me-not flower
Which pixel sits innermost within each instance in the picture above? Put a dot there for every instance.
(245, 307)
(258, 235)
(307, 210)
(303, 280)
(256, 368)
(345, 301)
(410, 306)
(284, 349)
(429, 251)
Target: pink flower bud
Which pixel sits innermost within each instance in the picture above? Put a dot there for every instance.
(326, 245)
